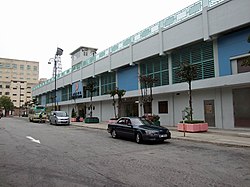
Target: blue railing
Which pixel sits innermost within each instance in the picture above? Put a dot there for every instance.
(149, 31)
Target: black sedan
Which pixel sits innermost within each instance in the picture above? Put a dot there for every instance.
(138, 129)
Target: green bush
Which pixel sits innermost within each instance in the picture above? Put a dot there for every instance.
(193, 121)
(73, 113)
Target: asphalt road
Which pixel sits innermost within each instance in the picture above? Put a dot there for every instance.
(77, 156)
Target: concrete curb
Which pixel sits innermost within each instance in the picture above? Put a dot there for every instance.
(225, 139)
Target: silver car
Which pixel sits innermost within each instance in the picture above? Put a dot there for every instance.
(59, 118)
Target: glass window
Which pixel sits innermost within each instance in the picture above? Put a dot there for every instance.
(7, 93)
(22, 67)
(28, 67)
(34, 68)
(163, 107)
(0, 93)
(108, 82)
(199, 55)
(1, 86)
(14, 66)
(157, 68)
(240, 65)
(7, 86)
(1, 65)
(7, 65)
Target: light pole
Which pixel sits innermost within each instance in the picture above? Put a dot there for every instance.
(20, 99)
(59, 52)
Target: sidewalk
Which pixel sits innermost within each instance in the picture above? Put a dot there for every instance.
(236, 137)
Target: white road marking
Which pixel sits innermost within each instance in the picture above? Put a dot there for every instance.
(33, 140)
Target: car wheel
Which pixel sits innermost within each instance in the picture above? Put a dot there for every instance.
(138, 138)
(113, 134)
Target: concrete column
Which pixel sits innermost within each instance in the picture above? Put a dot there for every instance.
(170, 74)
(216, 61)
(131, 54)
(93, 69)
(109, 61)
(161, 52)
(205, 26)
(205, 3)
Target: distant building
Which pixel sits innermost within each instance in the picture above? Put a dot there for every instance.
(42, 80)
(17, 77)
(82, 54)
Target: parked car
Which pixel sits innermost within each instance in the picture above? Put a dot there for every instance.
(138, 129)
(59, 118)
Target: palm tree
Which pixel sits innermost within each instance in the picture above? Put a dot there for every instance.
(112, 94)
(147, 82)
(188, 73)
(120, 94)
(91, 88)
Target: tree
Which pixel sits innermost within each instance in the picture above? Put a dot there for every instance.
(91, 88)
(6, 103)
(120, 94)
(147, 82)
(188, 73)
(112, 94)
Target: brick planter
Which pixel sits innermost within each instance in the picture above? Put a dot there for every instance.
(196, 127)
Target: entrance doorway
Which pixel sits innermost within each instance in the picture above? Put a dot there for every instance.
(241, 104)
(209, 112)
(129, 107)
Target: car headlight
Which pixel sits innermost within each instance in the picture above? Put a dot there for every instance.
(151, 132)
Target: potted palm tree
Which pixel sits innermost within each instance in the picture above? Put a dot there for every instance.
(73, 115)
(147, 82)
(188, 73)
(91, 88)
(120, 94)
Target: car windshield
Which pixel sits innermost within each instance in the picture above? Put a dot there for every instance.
(61, 114)
(38, 111)
(141, 121)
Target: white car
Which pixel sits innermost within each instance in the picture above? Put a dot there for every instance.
(59, 118)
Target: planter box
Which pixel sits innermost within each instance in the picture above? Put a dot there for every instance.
(81, 119)
(196, 127)
(73, 119)
(112, 121)
(92, 120)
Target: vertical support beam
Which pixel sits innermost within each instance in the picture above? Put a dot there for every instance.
(216, 58)
(109, 57)
(131, 54)
(161, 42)
(170, 74)
(93, 69)
(205, 28)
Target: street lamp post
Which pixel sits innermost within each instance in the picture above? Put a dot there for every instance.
(59, 52)
(19, 99)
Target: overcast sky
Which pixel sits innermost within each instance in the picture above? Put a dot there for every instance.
(33, 29)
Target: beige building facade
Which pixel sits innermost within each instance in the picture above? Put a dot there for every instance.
(17, 77)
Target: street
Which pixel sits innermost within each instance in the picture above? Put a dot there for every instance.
(39, 154)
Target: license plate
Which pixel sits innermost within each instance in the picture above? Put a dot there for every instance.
(163, 135)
